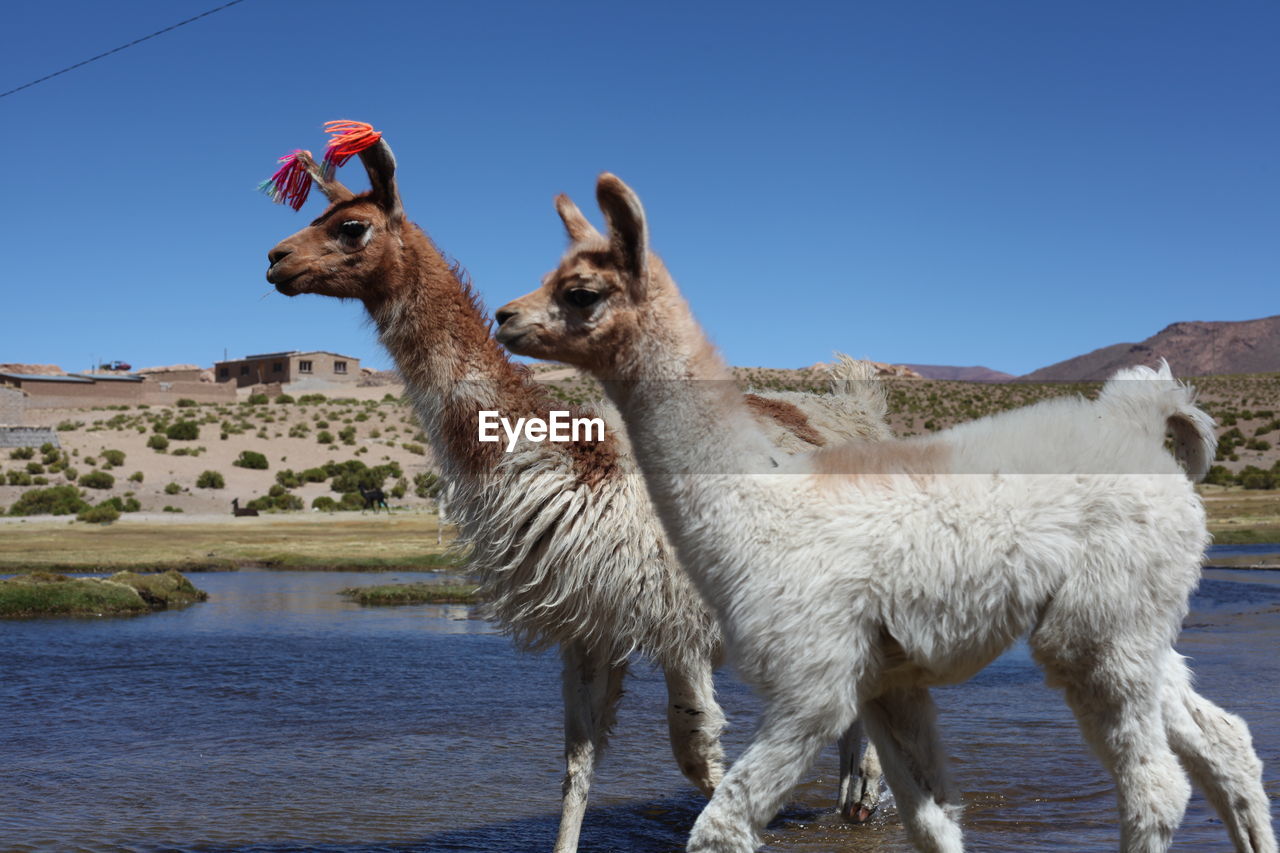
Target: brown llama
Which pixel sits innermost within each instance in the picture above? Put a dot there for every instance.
(238, 512)
(563, 537)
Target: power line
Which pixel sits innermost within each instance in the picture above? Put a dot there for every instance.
(120, 48)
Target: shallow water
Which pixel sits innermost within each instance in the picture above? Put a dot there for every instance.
(278, 717)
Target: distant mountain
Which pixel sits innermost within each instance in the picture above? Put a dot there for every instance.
(962, 374)
(1192, 348)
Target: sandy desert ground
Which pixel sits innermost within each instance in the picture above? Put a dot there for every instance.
(373, 425)
(385, 431)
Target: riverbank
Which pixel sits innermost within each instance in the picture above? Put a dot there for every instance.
(399, 541)
(148, 542)
(1242, 516)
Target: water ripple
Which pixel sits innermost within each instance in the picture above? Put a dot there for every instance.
(279, 718)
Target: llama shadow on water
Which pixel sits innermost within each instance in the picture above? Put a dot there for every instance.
(653, 826)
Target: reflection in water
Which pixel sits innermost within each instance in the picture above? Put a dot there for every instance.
(278, 716)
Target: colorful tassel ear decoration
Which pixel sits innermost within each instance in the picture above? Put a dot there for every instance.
(290, 184)
(349, 139)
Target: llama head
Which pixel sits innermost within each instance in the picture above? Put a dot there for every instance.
(604, 285)
(351, 249)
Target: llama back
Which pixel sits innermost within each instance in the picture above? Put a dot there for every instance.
(1122, 432)
(854, 410)
(1141, 393)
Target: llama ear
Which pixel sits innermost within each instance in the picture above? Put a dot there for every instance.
(575, 224)
(628, 233)
(327, 184)
(380, 163)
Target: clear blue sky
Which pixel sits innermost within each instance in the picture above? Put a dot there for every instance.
(998, 183)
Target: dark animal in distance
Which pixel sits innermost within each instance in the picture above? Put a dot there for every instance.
(237, 511)
(374, 498)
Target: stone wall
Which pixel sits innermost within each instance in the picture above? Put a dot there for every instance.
(13, 407)
(68, 395)
(271, 389)
(165, 393)
(20, 436)
(78, 395)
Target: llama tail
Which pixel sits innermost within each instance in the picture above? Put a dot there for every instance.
(859, 381)
(1194, 441)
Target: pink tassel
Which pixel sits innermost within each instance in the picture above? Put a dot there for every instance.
(290, 184)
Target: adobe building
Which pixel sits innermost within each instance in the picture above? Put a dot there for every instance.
(167, 385)
(289, 368)
(13, 406)
(74, 390)
(85, 390)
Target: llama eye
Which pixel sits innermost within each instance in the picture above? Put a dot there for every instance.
(580, 297)
(352, 228)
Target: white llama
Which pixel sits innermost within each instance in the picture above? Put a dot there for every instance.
(563, 536)
(857, 577)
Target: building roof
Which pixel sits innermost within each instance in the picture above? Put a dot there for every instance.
(286, 354)
(108, 377)
(266, 355)
(327, 352)
(41, 377)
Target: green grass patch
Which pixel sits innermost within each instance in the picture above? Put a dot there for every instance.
(413, 593)
(305, 542)
(1246, 536)
(316, 563)
(122, 594)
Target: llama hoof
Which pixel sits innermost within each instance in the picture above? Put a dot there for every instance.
(857, 813)
(862, 805)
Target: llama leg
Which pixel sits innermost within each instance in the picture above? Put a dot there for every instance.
(1216, 750)
(758, 782)
(695, 721)
(859, 780)
(592, 688)
(1116, 696)
(902, 725)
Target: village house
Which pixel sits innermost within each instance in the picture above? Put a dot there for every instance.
(74, 390)
(289, 368)
(84, 390)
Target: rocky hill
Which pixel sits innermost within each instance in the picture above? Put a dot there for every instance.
(1192, 348)
(960, 374)
(32, 369)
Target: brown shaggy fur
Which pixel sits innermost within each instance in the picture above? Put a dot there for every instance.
(874, 463)
(442, 303)
(788, 416)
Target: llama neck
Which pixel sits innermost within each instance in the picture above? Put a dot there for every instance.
(438, 334)
(692, 436)
(684, 411)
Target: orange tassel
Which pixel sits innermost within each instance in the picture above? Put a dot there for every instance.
(349, 139)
